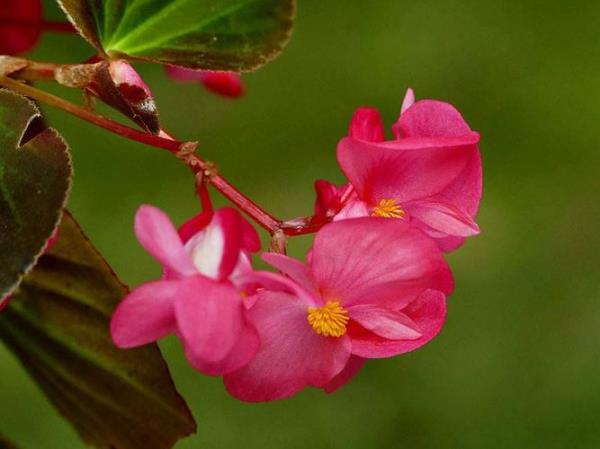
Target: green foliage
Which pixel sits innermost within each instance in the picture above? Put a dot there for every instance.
(236, 35)
(35, 177)
(58, 326)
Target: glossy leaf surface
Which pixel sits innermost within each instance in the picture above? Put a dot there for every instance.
(235, 35)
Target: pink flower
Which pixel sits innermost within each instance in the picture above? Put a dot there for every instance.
(429, 175)
(374, 288)
(20, 25)
(226, 84)
(200, 298)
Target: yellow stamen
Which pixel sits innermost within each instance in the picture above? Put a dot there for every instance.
(329, 320)
(388, 209)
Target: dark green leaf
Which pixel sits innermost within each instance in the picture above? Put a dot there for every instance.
(35, 177)
(236, 35)
(57, 324)
(5, 444)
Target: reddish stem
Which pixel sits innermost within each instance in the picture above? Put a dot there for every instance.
(184, 150)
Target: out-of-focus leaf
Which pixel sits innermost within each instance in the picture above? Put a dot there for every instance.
(57, 325)
(5, 444)
(236, 35)
(35, 177)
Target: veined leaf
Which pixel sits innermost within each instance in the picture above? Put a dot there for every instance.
(58, 326)
(235, 35)
(35, 177)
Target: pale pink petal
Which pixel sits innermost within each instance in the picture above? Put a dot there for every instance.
(209, 319)
(215, 251)
(293, 268)
(377, 260)
(354, 209)
(404, 170)
(444, 218)
(431, 118)
(292, 355)
(409, 100)
(429, 314)
(384, 322)
(146, 314)
(351, 369)
(158, 236)
(366, 124)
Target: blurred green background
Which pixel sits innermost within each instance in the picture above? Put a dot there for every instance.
(518, 362)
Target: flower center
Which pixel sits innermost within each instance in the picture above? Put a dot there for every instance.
(329, 320)
(388, 209)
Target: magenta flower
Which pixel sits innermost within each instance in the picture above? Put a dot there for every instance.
(429, 176)
(225, 84)
(373, 288)
(200, 298)
(20, 25)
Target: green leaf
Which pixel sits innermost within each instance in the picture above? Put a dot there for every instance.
(58, 326)
(235, 35)
(35, 177)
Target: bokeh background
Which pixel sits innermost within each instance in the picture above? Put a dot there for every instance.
(518, 362)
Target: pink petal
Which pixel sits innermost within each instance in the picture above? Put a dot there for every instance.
(354, 209)
(158, 236)
(367, 125)
(241, 353)
(465, 193)
(431, 118)
(409, 100)
(292, 356)
(444, 218)
(429, 314)
(210, 320)
(15, 39)
(385, 322)
(226, 84)
(250, 239)
(328, 198)
(146, 314)
(377, 260)
(183, 74)
(351, 369)
(404, 170)
(194, 225)
(293, 268)
(215, 251)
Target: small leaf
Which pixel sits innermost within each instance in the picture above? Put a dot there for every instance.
(35, 177)
(57, 324)
(235, 35)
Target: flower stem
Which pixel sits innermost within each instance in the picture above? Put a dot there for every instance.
(183, 150)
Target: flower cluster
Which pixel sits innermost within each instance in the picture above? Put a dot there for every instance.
(374, 284)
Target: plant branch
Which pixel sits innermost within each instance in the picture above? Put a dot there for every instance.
(183, 150)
